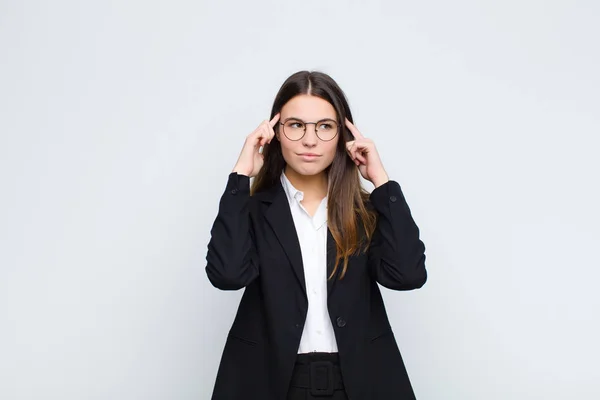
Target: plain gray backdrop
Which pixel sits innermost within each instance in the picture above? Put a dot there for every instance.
(120, 121)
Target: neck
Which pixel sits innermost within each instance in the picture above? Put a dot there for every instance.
(313, 186)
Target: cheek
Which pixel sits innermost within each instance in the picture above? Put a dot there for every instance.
(286, 148)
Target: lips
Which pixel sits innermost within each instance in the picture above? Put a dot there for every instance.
(308, 156)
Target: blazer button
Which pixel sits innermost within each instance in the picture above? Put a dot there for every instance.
(341, 322)
(393, 198)
(234, 191)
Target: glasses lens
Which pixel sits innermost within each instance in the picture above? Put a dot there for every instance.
(327, 129)
(293, 129)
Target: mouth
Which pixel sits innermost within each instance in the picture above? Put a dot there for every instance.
(308, 156)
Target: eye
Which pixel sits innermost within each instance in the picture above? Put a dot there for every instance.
(325, 126)
(294, 124)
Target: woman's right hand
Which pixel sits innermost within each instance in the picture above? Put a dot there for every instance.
(251, 160)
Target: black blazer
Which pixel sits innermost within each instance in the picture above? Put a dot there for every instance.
(254, 245)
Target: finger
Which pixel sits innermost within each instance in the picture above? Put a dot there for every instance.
(253, 140)
(361, 158)
(272, 125)
(354, 130)
(358, 154)
(267, 131)
(264, 126)
(271, 133)
(266, 137)
(354, 150)
(353, 154)
(257, 134)
(262, 136)
(364, 145)
(274, 120)
(357, 150)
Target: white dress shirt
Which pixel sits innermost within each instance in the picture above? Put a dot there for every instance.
(318, 332)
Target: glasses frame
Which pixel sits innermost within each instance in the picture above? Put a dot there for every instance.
(311, 123)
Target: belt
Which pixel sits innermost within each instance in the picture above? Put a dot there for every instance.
(319, 372)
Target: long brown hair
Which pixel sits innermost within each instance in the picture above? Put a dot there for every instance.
(349, 219)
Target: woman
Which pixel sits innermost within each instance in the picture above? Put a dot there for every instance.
(309, 246)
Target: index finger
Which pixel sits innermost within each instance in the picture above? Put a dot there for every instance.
(354, 130)
(274, 120)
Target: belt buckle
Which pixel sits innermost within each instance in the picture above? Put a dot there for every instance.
(317, 370)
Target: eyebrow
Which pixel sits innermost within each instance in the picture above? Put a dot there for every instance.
(300, 119)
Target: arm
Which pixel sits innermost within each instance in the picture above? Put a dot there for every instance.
(232, 261)
(396, 255)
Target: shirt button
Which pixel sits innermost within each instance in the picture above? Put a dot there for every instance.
(341, 322)
(393, 198)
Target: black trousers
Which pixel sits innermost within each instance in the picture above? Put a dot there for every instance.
(317, 376)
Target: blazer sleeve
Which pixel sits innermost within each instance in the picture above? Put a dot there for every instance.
(396, 254)
(232, 260)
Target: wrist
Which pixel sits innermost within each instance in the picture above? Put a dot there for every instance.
(241, 171)
(380, 180)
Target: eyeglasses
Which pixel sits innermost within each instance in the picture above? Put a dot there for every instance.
(295, 129)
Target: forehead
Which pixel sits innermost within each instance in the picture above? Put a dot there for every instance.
(308, 108)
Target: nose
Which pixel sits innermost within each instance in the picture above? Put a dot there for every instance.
(310, 138)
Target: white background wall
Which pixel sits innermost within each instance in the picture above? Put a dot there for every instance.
(120, 121)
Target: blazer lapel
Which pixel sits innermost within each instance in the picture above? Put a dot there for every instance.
(331, 253)
(279, 217)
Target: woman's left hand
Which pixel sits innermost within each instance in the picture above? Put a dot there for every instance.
(364, 154)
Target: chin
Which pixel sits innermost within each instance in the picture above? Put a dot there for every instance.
(308, 169)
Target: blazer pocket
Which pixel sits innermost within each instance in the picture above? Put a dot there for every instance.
(381, 334)
(243, 340)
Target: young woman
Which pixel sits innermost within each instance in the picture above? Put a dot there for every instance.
(310, 246)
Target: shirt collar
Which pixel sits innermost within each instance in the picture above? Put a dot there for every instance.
(290, 191)
(296, 195)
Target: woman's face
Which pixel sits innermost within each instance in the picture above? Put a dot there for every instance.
(309, 155)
